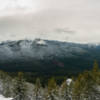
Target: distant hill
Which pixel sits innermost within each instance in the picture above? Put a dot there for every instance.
(47, 57)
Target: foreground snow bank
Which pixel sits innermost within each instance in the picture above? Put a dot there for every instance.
(3, 98)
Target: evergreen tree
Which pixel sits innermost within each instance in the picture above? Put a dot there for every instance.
(52, 89)
(64, 90)
(37, 89)
(5, 84)
(96, 73)
(45, 94)
(20, 87)
(83, 86)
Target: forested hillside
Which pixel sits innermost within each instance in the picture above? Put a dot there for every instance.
(47, 57)
(86, 86)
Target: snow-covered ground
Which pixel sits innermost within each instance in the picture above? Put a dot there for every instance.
(3, 98)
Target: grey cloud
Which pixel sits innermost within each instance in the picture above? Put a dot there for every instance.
(65, 30)
(76, 20)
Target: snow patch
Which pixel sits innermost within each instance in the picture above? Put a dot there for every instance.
(41, 42)
(68, 81)
(3, 98)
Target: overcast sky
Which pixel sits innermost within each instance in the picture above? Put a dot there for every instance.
(65, 20)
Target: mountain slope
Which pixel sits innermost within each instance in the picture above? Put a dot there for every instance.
(46, 56)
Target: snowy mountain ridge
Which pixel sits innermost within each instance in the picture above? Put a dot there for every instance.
(47, 55)
(40, 49)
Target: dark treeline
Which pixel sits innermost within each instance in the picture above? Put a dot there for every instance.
(20, 86)
(31, 77)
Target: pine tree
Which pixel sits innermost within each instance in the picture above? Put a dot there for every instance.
(96, 67)
(20, 87)
(45, 94)
(83, 86)
(96, 73)
(37, 89)
(2, 78)
(64, 90)
(52, 88)
(5, 84)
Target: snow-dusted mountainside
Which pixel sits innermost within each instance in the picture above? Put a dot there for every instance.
(39, 49)
(45, 54)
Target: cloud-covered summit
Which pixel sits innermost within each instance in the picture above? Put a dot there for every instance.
(65, 20)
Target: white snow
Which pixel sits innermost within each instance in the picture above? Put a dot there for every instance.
(41, 42)
(3, 98)
(68, 81)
